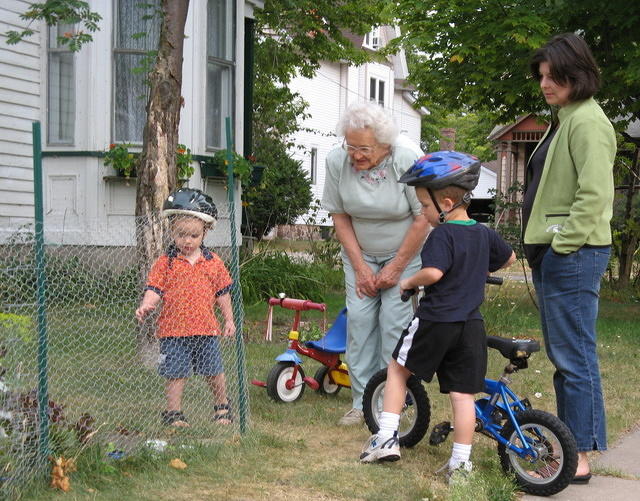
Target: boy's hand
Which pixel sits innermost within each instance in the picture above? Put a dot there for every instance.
(143, 310)
(405, 285)
(229, 329)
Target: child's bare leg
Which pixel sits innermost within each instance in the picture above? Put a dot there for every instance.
(464, 417)
(173, 390)
(394, 397)
(464, 423)
(395, 388)
(385, 445)
(218, 387)
(173, 415)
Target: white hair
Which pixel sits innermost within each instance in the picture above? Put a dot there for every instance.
(368, 115)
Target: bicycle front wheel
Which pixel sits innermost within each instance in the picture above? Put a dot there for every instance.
(416, 413)
(556, 459)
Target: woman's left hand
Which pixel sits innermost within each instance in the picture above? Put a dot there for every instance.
(388, 276)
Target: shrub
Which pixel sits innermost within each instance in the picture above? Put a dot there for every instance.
(271, 273)
(282, 196)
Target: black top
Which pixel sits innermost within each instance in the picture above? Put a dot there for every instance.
(465, 253)
(534, 252)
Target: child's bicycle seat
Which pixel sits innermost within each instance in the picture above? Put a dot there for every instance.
(513, 349)
(335, 339)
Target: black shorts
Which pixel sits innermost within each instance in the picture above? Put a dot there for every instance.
(455, 351)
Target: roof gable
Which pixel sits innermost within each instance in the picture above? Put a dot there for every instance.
(530, 123)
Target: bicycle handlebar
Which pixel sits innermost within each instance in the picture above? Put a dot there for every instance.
(407, 293)
(296, 304)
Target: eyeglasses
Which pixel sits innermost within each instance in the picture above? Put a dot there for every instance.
(365, 150)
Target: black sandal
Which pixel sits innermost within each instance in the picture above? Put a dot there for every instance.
(224, 415)
(174, 418)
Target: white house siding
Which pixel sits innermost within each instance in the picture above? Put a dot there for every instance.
(20, 80)
(326, 97)
(81, 195)
(408, 118)
(487, 181)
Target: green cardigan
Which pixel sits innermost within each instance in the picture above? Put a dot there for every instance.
(574, 201)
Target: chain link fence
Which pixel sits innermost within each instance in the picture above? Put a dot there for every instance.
(78, 368)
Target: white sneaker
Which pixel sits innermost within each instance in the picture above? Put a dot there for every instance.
(377, 449)
(460, 473)
(354, 416)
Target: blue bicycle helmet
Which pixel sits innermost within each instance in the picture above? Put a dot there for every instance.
(440, 169)
(191, 202)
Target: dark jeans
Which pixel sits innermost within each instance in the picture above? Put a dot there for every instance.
(568, 289)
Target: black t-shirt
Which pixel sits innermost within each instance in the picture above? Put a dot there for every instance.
(465, 253)
(534, 252)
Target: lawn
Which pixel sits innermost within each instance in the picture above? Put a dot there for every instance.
(295, 451)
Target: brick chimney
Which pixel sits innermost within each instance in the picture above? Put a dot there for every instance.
(447, 139)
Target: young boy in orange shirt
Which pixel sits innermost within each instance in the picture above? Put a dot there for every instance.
(190, 280)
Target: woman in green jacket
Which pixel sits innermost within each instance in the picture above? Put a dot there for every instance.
(567, 237)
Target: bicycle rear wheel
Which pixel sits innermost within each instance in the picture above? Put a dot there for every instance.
(415, 416)
(557, 457)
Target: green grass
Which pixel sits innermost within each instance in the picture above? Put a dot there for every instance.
(295, 451)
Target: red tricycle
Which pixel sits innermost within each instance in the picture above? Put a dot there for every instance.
(286, 381)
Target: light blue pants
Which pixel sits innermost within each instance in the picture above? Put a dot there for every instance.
(374, 324)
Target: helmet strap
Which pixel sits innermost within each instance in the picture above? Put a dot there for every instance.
(442, 215)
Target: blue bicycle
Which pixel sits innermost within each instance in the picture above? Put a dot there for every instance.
(533, 445)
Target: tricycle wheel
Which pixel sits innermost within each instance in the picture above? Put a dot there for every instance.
(327, 387)
(556, 459)
(279, 376)
(416, 413)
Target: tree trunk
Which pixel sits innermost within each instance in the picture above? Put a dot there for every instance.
(629, 239)
(157, 168)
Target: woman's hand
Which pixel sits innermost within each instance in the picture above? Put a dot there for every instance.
(388, 276)
(366, 282)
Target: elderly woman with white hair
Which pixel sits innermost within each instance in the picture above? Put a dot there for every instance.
(380, 225)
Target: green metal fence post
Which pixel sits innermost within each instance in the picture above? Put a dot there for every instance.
(41, 283)
(236, 291)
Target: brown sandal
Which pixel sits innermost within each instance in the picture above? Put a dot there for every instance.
(174, 418)
(222, 412)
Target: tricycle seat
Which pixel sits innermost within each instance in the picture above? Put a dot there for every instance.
(335, 339)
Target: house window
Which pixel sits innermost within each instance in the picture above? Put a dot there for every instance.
(61, 88)
(313, 171)
(129, 52)
(376, 91)
(372, 39)
(220, 70)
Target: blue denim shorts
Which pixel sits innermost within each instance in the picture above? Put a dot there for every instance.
(180, 357)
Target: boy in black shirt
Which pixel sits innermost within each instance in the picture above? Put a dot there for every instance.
(446, 336)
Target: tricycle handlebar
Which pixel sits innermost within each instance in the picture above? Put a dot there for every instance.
(297, 304)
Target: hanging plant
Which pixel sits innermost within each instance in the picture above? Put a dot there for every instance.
(119, 157)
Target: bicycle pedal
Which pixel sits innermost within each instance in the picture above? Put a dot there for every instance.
(439, 433)
(312, 383)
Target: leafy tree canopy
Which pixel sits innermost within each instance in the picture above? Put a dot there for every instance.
(60, 12)
(298, 34)
(471, 129)
(475, 53)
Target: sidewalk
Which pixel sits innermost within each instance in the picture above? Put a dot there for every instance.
(623, 458)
